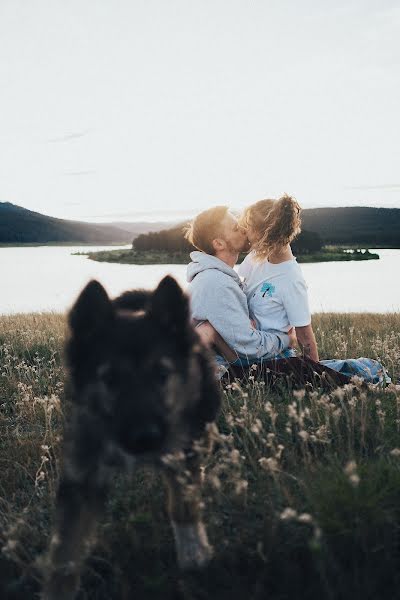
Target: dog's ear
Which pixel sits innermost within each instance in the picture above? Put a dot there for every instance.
(170, 306)
(92, 311)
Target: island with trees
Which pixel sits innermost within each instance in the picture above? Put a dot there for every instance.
(169, 246)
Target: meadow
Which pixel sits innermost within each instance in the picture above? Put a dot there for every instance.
(301, 495)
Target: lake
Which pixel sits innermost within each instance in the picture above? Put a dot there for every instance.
(49, 278)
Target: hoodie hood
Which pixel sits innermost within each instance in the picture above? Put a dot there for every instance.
(204, 262)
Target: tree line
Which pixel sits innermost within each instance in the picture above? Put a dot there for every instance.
(173, 240)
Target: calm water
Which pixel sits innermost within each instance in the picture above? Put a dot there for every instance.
(48, 279)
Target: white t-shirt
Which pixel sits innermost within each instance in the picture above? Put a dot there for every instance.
(276, 293)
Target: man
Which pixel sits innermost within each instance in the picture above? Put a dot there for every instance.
(216, 290)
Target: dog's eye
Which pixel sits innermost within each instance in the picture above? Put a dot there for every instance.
(161, 374)
(162, 371)
(106, 374)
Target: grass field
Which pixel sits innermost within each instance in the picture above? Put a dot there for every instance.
(302, 494)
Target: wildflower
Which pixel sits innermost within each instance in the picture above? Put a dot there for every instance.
(304, 435)
(288, 514)
(317, 534)
(40, 477)
(305, 518)
(214, 481)
(338, 393)
(351, 472)
(269, 464)
(236, 386)
(350, 467)
(395, 452)
(241, 486)
(257, 426)
(357, 381)
(299, 394)
(229, 420)
(9, 546)
(235, 456)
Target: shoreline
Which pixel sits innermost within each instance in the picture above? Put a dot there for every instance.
(61, 244)
(154, 257)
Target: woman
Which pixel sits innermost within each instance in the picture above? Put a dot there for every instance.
(274, 284)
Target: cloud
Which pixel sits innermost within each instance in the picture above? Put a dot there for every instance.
(68, 137)
(389, 187)
(151, 215)
(79, 173)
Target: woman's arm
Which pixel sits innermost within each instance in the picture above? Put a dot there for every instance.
(307, 343)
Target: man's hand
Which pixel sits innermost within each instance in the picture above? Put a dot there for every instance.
(210, 337)
(206, 333)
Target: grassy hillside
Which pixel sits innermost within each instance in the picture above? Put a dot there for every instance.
(302, 493)
(354, 226)
(370, 227)
(20, 226)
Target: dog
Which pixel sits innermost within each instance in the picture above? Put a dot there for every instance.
(143, 389)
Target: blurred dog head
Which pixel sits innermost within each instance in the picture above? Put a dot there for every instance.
(137, 368)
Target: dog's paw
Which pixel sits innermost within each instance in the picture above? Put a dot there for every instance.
(61, 583)
(192, 547)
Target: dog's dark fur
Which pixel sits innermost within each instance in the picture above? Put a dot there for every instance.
(143, 388)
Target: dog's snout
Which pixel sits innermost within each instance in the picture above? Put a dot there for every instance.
(148, 438)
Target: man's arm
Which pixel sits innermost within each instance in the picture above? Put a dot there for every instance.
(307, 343)
(210, 338)
(225, 307)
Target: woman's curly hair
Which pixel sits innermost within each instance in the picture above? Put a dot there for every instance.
(277, 222)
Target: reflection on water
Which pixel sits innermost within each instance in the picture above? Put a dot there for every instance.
(48, 278)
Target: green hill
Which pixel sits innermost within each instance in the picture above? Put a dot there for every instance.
(21, 226)
(356, 226)
(368, 227)
(372, 227)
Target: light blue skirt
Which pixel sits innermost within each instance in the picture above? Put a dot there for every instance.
(368, 369)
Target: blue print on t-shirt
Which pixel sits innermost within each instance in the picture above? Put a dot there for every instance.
(267, 288)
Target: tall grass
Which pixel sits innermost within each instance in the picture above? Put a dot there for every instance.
(302, 493)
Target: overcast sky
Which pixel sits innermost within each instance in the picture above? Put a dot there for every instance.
(127, 109)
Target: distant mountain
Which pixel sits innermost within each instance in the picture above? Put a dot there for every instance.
(21, 226)
(144, 227)
(369, 227)
(373, 227)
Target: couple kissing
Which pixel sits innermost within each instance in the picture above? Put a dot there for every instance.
(260, 313)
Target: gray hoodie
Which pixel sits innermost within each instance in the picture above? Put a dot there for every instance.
(217, 296)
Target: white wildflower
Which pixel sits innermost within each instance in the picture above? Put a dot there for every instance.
(288, 514)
